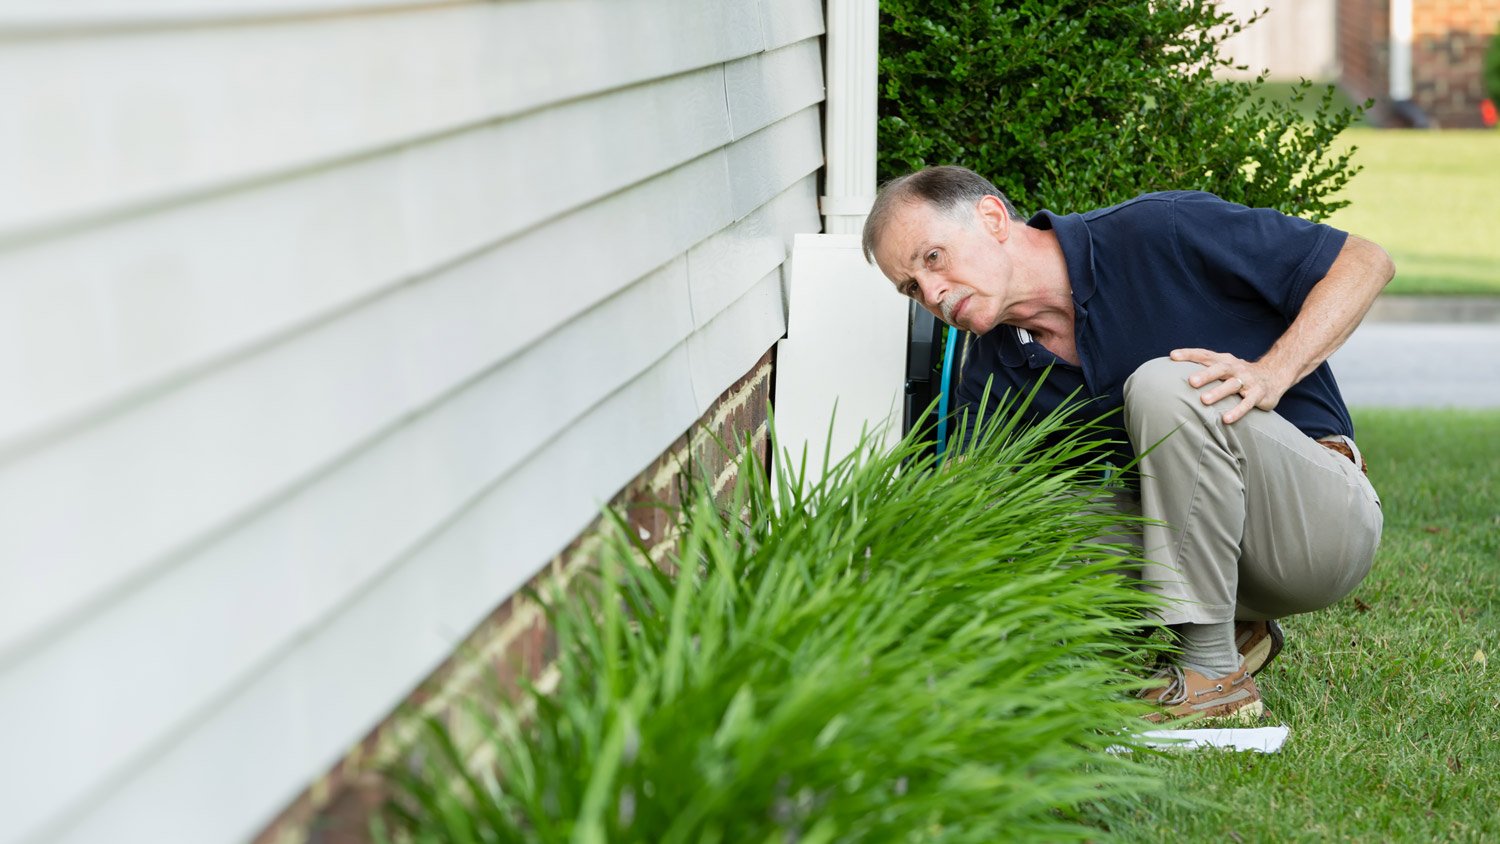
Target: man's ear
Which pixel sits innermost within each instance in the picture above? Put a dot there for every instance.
(993, 218)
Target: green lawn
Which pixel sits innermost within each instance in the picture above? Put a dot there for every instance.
(1432, 199)
(1394, 712)
(1282, 91)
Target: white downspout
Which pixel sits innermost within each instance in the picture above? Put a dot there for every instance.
(1400, 63)
(853, 35)
(830, 286)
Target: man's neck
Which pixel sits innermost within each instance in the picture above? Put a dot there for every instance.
(1045, 305)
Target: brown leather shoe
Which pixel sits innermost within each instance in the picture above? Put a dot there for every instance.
(1258, 643)
(1183, 692)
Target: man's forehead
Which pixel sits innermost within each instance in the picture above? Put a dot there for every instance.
(908, 231)
(913, 221)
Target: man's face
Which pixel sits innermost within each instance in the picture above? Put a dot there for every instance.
(959, 271)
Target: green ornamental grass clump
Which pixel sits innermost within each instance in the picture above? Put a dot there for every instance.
(900, 652)
(1073, 105)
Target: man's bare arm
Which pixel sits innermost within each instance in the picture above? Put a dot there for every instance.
(1333, 308)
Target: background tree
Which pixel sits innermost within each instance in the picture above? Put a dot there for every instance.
(1072, 104)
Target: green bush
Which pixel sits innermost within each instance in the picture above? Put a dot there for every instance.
(895, 654)
(1070, 105)
(1492, 69)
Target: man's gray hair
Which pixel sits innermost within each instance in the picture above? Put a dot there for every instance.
(952, 190)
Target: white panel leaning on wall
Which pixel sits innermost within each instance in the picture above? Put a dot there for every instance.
(299, 389)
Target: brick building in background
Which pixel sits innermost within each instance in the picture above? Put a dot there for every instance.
(1437, 49)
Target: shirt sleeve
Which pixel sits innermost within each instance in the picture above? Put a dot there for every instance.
(1253, 252)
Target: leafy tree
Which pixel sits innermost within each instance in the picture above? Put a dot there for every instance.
(1073, 104)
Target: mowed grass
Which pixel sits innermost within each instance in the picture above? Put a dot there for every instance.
(1432, 199)
(1393, 708)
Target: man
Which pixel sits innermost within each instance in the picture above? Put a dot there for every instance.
(1208, 324)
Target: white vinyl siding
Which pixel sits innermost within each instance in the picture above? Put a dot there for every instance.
(323, 325)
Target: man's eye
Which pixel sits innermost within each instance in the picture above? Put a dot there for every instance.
(932, 257)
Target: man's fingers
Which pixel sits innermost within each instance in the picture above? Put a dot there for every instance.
(1210, 373)
(1203, 356)
(1224, 390)
(1235, 413)
(1225, 369)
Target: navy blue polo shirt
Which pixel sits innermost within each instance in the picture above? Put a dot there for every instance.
(1164, 271)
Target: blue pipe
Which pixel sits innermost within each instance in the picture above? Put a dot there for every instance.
(942, 426)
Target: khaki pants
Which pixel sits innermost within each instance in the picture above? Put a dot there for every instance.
(1257, 519)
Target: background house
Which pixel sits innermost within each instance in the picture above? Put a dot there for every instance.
(1292, 40)
(1420, 60)
(1427, 53)
(327, 324)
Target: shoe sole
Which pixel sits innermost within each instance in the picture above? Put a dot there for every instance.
(1246, 714)
(1250, 713)
(1258, 657)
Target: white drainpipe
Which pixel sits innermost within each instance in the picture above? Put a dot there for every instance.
(849, 180)
(1400, 87)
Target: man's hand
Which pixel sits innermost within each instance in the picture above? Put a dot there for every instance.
(1333, 307)
(1257, 384)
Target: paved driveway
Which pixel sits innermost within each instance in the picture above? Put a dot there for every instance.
(1420, 364)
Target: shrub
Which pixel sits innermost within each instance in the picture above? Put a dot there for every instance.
(891, 655)
(1072, 105)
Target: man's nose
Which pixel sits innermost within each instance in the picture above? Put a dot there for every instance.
(932, 289)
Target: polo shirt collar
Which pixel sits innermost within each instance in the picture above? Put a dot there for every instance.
(1073, 236)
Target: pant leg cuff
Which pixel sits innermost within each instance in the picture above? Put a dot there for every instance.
(1196, 614)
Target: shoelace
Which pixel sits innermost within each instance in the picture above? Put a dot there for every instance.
(1176, 690)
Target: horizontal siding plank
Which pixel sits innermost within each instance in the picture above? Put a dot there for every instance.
(30, 17)
(722, 351)
(761, 165)
(252, 590)
(262, 586)
(782, 20)
(309, 378)
(86, 321)
(300, 714)
(766, 87)
(786, 21)
(723, 267)
(100, 125)
(151, 480)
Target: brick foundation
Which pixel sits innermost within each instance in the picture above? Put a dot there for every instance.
(515, 641)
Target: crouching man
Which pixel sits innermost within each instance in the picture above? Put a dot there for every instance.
(1209, 324)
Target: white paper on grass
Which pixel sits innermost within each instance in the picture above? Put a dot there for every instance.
(845, 347)
(1258, 739)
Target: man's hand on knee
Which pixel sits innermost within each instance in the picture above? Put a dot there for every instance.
(1257, 384)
